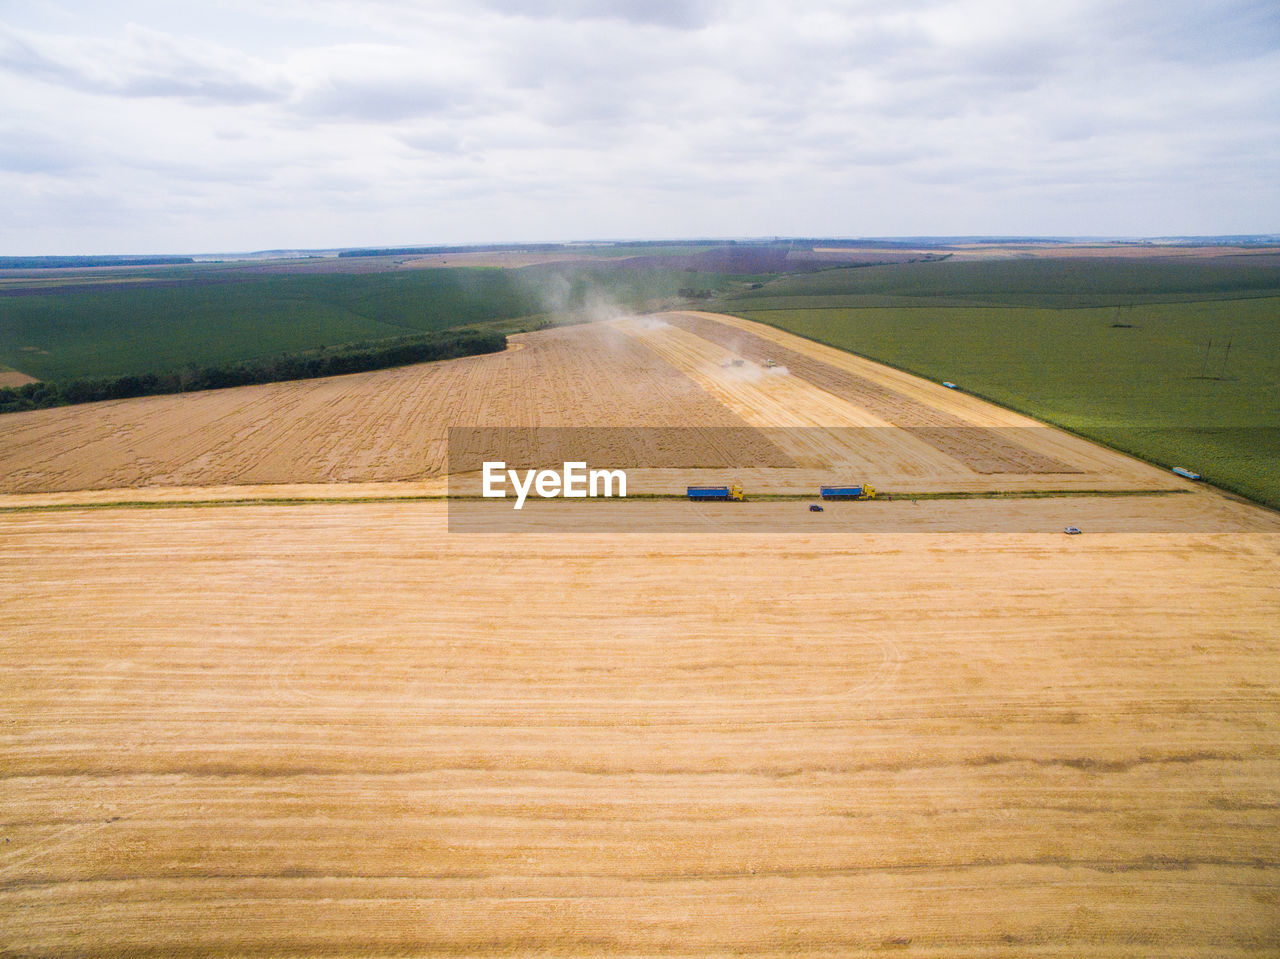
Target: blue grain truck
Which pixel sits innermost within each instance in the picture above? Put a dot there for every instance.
(858, 491)
(714, 492)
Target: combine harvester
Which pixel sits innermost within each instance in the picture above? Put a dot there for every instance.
(733, 492)
(859, 491)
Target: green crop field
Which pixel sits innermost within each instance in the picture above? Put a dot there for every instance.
(140, 328)
(1177, 362)
(215, 317)
(1064, 282)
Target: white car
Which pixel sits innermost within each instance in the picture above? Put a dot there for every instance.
(1073, 531)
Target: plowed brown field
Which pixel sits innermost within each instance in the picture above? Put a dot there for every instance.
(341, 729)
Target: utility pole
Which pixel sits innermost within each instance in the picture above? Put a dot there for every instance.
(1225, 354)
(1204, 369)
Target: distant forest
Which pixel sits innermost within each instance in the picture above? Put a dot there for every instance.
(443, 345)
(65, 262)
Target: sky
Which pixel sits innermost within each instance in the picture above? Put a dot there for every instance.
(156, 127)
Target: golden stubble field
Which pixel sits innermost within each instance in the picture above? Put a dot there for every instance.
(14, 378)
(340, 729)
(676, 370)
(337, 729)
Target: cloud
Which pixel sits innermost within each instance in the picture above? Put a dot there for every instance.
(27, 152)
(1223, 32)
(681, 14)
(433, 141)
(383, 83)
(372, 100)
(141, 63)
(557, 119)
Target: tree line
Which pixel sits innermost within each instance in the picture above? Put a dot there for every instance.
(65, 262)
(444, 345)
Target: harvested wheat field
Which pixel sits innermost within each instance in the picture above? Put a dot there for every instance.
(626, 728)
(384, 426)
(825, 410)
(11, 378)
(336, 729)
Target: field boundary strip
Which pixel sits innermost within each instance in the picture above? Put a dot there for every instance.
(883, 496)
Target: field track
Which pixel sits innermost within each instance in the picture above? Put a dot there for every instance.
(340, 729)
